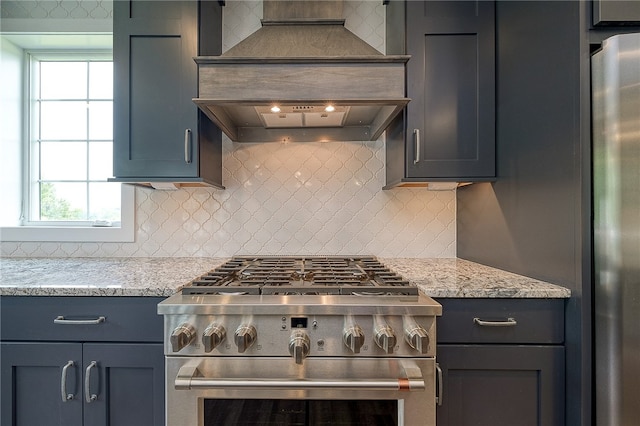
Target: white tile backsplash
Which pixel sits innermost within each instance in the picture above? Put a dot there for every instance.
(59, 9)
(284, 199)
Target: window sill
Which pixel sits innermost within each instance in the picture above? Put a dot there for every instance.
(124, 233)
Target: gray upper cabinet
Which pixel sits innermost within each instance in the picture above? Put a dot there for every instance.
(448, 130)
(159, 135)
(616, 12)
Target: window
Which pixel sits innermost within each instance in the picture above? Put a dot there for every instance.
(66, 144)
(71, 140)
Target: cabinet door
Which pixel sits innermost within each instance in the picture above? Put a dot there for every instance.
(33, 376)
(451, 82)
(501, 385)
(615, 12)
(155, 78)
(128, 383)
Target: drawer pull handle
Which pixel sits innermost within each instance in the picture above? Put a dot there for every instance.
(63, 383)
(509, 322)
(62, 320)
(89, 397)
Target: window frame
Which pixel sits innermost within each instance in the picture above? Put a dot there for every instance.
(68, 233)
(64, 231)
(33, 127)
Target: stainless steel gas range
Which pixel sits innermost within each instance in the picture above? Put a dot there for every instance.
(300, 341)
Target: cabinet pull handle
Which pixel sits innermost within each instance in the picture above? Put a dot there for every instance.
(61, 320)
(416, 141)
(89, 397)
(187, 146)
(63, 383)
(439, 396)
(509, 322)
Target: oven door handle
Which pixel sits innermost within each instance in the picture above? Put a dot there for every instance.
(189, 377)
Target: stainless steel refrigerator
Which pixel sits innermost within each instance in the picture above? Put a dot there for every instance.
(616, 173)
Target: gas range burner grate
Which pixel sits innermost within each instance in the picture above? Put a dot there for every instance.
(360, 276)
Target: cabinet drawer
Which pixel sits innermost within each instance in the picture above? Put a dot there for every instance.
(522, 321)
(126, 319)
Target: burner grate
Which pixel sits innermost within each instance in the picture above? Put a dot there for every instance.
(302, 276)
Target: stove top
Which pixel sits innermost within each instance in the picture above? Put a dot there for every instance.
(278, 306)
(305, 275)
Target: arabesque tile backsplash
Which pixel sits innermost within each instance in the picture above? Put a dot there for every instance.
(283, 199)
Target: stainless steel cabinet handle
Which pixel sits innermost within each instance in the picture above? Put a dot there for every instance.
(63, 383)
(61, 320)
(187, 146)
(89, 397)
(187, 378)
(416, 140)
(509, 322)
(439, 396)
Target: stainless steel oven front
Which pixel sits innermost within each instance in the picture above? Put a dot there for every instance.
(300, 341)
(244, 391)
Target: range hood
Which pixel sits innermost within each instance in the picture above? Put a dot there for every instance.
(302, 77)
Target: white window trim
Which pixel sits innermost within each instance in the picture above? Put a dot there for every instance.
(120, 232)
(124, 233)
(33, 57)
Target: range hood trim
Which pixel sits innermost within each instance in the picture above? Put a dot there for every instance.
(302, 55)
(369, 132)
(312, 102)
(347, 81)
(362, 59)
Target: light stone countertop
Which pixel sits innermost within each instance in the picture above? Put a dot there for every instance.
(461, 278)
(113, 276)
(164, 276)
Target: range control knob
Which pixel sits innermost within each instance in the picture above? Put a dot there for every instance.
(299, 345)
(416, 336)
(182, 336)
(213, 335)
(353, 338)
(245, 336)
(385, 338)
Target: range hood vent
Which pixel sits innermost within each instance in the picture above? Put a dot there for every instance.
(302, 77)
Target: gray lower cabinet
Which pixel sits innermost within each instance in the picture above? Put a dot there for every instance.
(31, 384)
(448, 130)
(108, 372)
(159, 134)
(502, 362)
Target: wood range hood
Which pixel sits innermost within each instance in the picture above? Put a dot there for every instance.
(302, 60)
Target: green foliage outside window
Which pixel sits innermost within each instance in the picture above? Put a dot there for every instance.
(54, 208)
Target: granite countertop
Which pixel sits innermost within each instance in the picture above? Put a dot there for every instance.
(164, 276)
(113, 276)
(462, 278)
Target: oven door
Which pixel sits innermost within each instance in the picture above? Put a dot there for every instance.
(242, 391)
